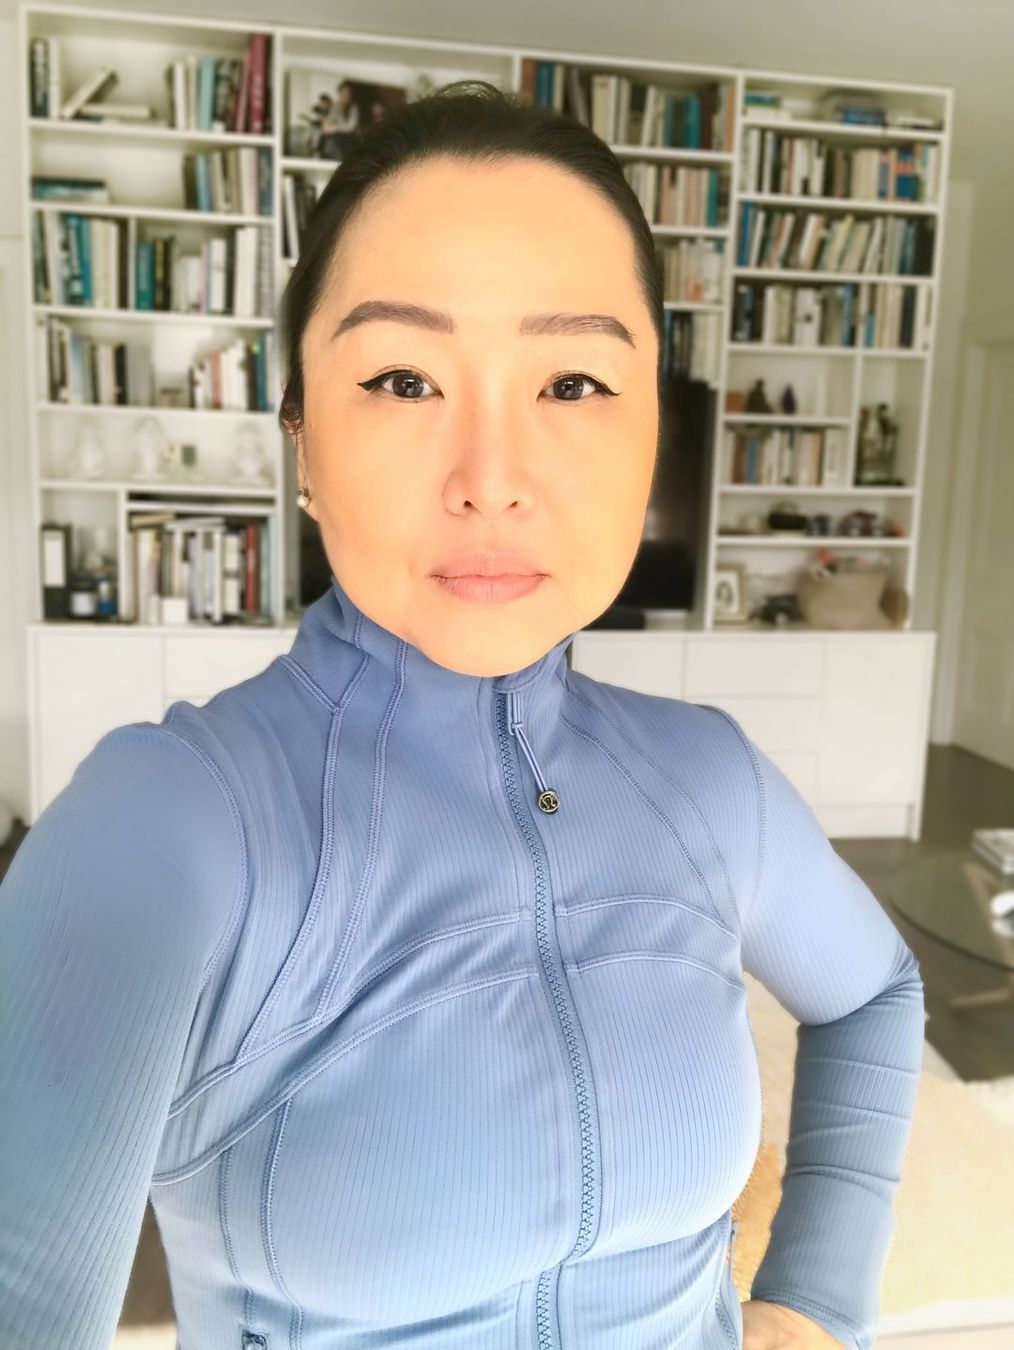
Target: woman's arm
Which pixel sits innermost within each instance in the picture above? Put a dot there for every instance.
(817, 937)
(109, 917)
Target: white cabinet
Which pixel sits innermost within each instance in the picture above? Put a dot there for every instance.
(844, 715)
(84, 680)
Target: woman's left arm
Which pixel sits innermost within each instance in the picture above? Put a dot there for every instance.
(816, 936)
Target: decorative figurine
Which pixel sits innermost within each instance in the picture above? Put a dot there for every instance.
(88, 460)
(877, 448)
(757, 399)
(789, 404)
(148, 443)
(250, 461)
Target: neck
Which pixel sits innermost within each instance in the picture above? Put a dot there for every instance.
(336, 619)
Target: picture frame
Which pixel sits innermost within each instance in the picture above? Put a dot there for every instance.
(729, 593)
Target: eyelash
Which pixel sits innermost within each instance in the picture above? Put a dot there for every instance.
(374, 384)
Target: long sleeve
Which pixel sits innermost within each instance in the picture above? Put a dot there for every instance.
(110, 917)
(819, 940)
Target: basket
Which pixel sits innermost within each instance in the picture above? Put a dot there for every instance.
(844, 599)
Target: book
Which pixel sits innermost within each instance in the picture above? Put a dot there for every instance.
(997, 847)
(124, 112)
(97, 83)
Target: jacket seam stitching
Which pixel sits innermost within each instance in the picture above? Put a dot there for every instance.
(571, 688)
(295, 1327)
(240, 900)
(761, 801)
(312, 687)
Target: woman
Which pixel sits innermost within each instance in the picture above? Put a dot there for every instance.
(407, 974)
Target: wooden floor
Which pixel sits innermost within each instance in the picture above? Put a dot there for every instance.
(963, 791)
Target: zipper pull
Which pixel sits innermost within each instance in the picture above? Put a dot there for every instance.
(548, 800)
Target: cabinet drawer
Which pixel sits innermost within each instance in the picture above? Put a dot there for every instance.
(648, 663)
(199, 665)
(717, 666)
(777, 724)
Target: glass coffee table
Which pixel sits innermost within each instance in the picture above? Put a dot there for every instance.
(947, 896)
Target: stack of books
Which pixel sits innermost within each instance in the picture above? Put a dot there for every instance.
(997, 847)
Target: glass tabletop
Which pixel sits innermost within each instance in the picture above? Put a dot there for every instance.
(947, 896)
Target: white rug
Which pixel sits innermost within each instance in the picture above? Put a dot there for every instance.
(997, 1096)
(146, 1338)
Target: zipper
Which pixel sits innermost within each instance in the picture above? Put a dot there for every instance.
(510, 723)
(547, 800)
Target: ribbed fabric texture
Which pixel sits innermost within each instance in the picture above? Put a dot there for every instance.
(414, 1000)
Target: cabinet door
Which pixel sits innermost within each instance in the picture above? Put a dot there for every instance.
(81, 686)
(875, 715)
(200, 665)
(649, 663)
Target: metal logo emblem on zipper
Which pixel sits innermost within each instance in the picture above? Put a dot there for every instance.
(548, 800)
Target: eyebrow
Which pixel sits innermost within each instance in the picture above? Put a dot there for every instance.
(439, 321)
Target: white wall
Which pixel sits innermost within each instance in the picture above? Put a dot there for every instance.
(988, 314)
(942, 458)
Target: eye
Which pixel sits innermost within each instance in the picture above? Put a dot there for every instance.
(378, 382)
(573, 380)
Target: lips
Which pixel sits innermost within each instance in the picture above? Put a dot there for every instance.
(488, 563)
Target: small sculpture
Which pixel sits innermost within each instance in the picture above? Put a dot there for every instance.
(250, 463)
(88, 460)
(789, 404)
(757, 399)
(148, 443)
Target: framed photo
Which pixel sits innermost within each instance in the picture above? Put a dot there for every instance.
(729, 593)
(326, 113)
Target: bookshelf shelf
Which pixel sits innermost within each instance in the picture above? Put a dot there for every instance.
(845, 131)
(691, 231)
(856, 205)
(794, 489)
(307, 164)
(676, 154)
(831, 278)
(788, 348)
(179, 137)
(842, 541)
(184, 216)
(835, 380)
(785, 420)
(149, 410)
(230, 491)
(202, 317)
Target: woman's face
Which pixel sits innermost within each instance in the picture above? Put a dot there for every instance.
(470, 433)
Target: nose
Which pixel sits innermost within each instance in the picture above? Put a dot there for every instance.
(490, 460)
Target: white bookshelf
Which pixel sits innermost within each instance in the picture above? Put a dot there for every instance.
(142, 167)
(831, 383)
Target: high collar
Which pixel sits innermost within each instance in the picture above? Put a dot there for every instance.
(336, 619)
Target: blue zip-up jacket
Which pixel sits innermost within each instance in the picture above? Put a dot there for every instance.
(415, 1000)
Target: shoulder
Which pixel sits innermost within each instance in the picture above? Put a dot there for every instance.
(150, 824)
(714, 767)
(710, 742)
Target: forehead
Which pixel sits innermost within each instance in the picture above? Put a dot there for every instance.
(518, 235)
